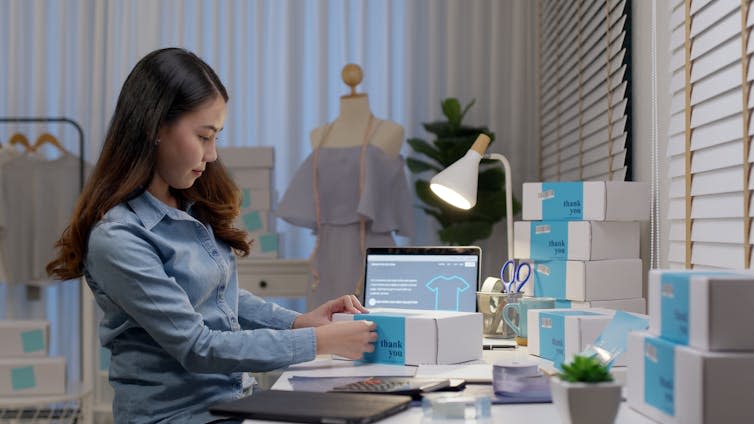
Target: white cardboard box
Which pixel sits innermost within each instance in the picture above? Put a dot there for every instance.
(414, 337)
(671, 383)
(636, 305)
(576, 240)
(586, 201)
(252, 177)
(558, 334)
(586, 280)
(24, 338)
(32, 376)
(709, 311)
(247, 157)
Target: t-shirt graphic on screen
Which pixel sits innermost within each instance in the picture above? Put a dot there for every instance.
(422, 281)
(448, 291)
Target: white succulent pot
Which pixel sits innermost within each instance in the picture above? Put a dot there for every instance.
(586, 403)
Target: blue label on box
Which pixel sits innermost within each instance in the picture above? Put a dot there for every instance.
(33, 340)
(552, 334)
(674, 307)
(562, 304)
(562, 201)
(550, 279)
(390, 347)
(659, 374)
(675, 303)
(549, 240)
(22, 378)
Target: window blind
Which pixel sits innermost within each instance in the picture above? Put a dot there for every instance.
(710, 130)
(584, 90)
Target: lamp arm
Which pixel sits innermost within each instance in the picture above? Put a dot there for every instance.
(508, 198)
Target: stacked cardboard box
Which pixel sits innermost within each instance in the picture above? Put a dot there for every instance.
(695, 363)
(25, 367)
(582, 240)
(252, 170)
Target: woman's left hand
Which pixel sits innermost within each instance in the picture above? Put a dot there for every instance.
(323, 314)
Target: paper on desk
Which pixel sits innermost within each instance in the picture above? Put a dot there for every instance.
(475, 372)
(339, 368)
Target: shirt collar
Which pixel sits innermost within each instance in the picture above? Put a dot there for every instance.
(151, 211)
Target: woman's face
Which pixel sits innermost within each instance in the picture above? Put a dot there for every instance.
(186, 146)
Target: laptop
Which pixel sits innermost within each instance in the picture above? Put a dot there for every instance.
(428, 278)
(313, 407)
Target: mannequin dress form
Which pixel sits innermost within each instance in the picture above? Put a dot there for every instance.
(351, 191)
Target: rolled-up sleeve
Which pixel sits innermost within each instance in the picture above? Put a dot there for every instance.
(130, 272)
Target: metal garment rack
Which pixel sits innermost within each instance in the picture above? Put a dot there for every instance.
(84, 412)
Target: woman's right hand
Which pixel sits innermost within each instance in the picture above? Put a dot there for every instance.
(349, 339)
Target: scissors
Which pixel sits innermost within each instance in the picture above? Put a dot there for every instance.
(515, 283)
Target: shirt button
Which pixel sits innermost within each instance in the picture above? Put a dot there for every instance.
(214, 252)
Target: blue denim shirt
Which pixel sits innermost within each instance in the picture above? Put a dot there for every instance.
(179, 329)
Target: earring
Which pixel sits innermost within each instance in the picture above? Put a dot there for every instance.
(157, 142)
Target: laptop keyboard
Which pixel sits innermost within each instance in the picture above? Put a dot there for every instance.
(375, 385)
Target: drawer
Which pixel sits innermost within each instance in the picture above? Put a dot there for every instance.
(274, 277)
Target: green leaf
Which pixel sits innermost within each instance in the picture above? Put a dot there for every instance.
(491, 179)
(451, 108)
(417, 166)
(465, 233)
(421, 146)
(466, 109)
(586, 369)
(439, 128)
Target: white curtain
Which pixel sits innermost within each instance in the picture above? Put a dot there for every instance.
(281, 62)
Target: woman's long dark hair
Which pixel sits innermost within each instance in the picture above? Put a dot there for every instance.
(162, 87)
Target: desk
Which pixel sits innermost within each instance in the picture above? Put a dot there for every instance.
(520, 413)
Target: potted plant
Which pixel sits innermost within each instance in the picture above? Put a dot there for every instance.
(453, 140)
(585, 392)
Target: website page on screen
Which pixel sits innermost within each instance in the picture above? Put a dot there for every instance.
(432, 282)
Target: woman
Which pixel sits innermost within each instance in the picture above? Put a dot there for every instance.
(152, 232)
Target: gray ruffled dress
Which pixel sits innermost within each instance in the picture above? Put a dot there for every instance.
(385, 204)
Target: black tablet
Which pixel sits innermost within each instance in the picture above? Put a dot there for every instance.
(313, 407)
(422, 277)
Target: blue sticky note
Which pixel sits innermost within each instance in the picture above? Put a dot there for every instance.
(104, 359)
(565, 203)
(22, 378)
(268, 242)
(390, 347)
(612, 342)
(252, 221)
(33, 340)
(659, 374)
(246, 202)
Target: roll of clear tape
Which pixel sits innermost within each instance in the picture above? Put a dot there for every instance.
(492, 285)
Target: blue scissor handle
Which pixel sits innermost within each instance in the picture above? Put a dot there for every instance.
(510, 283)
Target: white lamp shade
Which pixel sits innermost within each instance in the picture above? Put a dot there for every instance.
(457, 184)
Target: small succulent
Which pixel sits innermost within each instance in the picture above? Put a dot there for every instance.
(585, 369)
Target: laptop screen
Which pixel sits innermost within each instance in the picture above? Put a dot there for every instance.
(430, 278)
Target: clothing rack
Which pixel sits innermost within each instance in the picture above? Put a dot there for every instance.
(62, 120)
(75, 408)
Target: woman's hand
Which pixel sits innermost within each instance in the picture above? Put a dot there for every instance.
(349, 339)
(323, 314)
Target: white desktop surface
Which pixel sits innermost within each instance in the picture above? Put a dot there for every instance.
(518, 413)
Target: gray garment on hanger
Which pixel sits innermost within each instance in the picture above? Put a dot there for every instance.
(385, 204)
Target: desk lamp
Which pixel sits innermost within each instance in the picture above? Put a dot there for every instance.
(457, 184)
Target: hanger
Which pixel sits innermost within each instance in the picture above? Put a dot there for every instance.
(352, 76)
(21, 139)
(48, 138)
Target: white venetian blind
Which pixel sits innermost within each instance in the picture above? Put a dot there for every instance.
(584, 89)
(709, 135)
